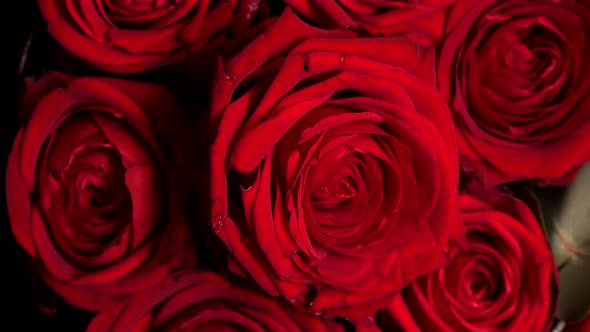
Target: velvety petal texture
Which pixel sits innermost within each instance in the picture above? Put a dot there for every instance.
(516, 75)
(334, 168)
(505, 280)
(90, 189)
(134, 35)
(203, 301)
(377, 17)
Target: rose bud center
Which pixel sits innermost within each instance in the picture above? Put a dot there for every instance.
(95, 192)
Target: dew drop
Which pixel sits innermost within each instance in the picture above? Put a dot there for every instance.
(217, 224)
(252, 9)
(246, 181)
(230, 78)
(311, 295)
(217, 227)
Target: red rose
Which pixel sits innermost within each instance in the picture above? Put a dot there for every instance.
(134, 35)
(90, 188)
(515, 73)
(202, 301)
(376, 16)
(334, 171)
(505, 280)
(583, 326)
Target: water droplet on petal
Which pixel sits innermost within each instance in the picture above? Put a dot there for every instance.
(217, 224)
(230, 78)
(252, 9)
(244, 189)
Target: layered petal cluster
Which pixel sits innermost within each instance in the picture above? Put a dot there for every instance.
(134, 35)
(377, 17)
(506, 279)
(334, 168)
(515, 74)
(91, 192)
(203, 301)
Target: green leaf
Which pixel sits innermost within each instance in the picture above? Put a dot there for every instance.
(567, 220)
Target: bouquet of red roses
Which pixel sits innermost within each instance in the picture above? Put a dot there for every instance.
(303, 165)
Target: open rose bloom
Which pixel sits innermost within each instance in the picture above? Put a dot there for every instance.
(91, 196)
(504, 280)
(299, 165)
(334, 170)
(515, 74)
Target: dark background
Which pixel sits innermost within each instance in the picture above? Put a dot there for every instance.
(27, 305)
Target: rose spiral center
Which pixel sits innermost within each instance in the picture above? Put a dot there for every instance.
(335, 193)
(96, 197)
(477, 285)
(96, 189)
(99, 178)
